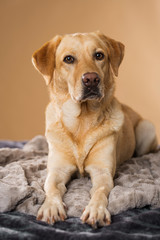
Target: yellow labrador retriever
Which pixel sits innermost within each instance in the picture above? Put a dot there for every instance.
(87, 128)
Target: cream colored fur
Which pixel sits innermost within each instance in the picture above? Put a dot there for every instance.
(87, 135)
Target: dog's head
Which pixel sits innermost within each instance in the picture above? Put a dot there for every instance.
(79, 64)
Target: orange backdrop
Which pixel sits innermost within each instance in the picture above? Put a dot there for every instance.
(26, 25)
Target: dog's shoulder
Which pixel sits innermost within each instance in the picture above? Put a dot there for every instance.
(131, 114)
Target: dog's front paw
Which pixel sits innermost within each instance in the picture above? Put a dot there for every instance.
(52, 211)
(96, 215)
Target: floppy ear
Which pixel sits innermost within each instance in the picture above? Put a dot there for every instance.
(115, 51)
(44, 58)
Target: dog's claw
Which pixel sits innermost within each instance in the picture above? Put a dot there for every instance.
(65, 206)
(108, 222)
(62, 217)
(94, 223)
(39, 217)
(53, 220)
(48, 221)
(85, 217)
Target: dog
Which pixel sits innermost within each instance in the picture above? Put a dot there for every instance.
(87, 128)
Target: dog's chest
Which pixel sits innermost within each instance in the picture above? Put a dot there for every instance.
(72, 121)
(70, 112)
(78, 126)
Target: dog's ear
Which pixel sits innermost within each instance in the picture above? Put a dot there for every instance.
(44, 58)
(115, 52)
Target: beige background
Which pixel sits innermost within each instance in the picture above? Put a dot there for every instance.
(26, 24)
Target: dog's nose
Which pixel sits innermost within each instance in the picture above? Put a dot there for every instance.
(90, 79)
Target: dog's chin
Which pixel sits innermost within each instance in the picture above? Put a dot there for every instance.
(91, 98)
(88, 97)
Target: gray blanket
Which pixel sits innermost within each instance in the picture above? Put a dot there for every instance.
(23, 172)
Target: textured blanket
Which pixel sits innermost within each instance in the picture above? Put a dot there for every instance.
(23, 172)
(135, 224)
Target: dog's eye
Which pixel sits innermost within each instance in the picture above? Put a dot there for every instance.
(69, 59)
(99, 56)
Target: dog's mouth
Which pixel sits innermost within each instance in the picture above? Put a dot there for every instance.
(91, 95)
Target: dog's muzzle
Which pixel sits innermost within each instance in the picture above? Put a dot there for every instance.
(90, 82)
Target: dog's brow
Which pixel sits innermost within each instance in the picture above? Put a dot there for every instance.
(77, 34)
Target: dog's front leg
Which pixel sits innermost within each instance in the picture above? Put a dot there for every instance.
(101, 165)
(59, 172)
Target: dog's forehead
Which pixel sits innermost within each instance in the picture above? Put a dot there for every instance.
(80, 40)
(78, 34)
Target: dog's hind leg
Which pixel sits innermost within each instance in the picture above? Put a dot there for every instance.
(146, 140)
